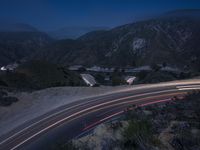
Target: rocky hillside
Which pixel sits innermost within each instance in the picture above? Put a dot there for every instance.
(15, 45)
(168, 126)
(173, 39)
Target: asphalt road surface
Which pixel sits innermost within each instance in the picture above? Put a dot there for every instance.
(78, 118)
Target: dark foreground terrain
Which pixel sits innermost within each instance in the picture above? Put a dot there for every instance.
(174, 125)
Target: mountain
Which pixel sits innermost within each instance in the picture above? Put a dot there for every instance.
(73, 32)
(16, 27)
(173, 40)
(17, 45)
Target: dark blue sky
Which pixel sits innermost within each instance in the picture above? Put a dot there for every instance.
(51, 14)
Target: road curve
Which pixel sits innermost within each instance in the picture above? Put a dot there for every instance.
(79, 117)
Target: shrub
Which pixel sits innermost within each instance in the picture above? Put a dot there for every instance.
(41, 74)
(3, 93)
(137, 134)
(2, 83)
(7, 101)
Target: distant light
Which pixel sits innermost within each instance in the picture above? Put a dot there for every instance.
(3, 69)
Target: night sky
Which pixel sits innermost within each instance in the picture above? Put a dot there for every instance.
(52, 14)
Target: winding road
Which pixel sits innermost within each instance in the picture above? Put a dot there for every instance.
(78, 118)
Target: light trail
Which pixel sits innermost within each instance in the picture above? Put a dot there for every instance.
(121, 112)
(73, 116)
(102, 120)
(136, 88)
(134, 96)
(175, 87)
(155, 102)
(189, 88)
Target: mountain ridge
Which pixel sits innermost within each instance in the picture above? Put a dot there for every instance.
(73, 32)
(16, 27)
(172, 40)
(15, 46)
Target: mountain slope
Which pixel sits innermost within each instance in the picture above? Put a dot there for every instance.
(73, 32)
(173, 39)
(16, 27)
(17, 45)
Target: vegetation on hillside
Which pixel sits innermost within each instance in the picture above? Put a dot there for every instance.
(161, 40)
(39, 75)
(172, 125)
(15, 46)
(5, 99)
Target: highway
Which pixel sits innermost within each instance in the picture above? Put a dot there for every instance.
(77, 118)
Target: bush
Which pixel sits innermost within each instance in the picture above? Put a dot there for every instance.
(159, 76)
(155, 67)
(7, 101)
(2, 83)
(3, 93)
(41, 74)
(137, 134)
(117, 80)
(142, 75)
(68, 146)
(100, 78)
